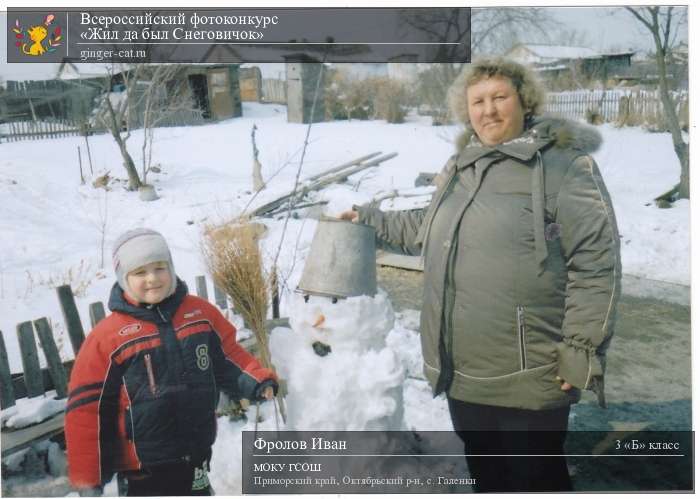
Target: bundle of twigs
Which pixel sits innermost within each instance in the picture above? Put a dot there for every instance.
(233, 258)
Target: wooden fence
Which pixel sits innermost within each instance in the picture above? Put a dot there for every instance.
(640, 107)
(274, 91)
(53, 128)
(36, 130)
(34, 381)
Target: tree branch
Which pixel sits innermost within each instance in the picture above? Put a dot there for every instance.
(640, 18)
(667, 29)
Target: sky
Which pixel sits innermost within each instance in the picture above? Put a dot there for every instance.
(608, 28)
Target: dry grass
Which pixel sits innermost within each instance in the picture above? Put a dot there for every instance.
(391, 99)
(234, 260)
(79, 277)
(233, 257)
(594, 117)
(347, 97)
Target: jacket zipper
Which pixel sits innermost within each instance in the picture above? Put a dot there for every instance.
(161, 314)
(151, 377)
(521, 336)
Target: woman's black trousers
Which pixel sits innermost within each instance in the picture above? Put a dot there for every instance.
(513, 450)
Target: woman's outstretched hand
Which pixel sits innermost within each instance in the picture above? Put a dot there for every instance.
(564, 385)
(350, 216)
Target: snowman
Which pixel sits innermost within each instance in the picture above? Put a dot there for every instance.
(339, 371)
(340, 374)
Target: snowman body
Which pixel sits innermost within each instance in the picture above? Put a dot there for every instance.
(340, 374)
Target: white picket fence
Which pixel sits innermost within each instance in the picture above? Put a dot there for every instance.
(615, 105)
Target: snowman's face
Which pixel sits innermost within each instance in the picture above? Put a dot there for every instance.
(356, 324)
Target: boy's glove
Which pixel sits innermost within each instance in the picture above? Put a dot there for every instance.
(262, 386)
(90, 492)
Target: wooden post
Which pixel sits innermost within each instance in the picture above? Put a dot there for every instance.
(80, 165)
(7, 391)
(87, 146)
(30, 359)
(237, 311)
(220, 298)
(53, 359)
(201, 283)
(71, 316)
(97, 313)
(275, 295)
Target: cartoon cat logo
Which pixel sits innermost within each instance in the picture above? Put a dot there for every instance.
(33, 41)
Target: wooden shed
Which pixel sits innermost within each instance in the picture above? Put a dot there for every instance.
(216, 90)
(250, 81)
(303, 73)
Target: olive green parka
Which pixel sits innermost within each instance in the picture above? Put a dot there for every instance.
(521, 268)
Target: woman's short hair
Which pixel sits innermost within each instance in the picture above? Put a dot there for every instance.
(527, 85)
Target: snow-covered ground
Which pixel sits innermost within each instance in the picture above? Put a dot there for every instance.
(51, 225)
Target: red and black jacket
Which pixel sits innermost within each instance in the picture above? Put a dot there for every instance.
(145, 385)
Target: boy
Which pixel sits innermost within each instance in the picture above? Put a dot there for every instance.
(145, 383)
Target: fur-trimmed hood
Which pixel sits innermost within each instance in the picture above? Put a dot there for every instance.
(563, 132)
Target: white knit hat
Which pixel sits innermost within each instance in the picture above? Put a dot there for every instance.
(138, 247)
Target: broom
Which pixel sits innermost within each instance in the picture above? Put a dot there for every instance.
(233, 258)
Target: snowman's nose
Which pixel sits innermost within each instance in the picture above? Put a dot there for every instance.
(319, 320)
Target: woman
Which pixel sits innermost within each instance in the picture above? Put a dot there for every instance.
(522, 276)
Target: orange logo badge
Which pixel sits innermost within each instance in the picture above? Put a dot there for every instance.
(33, 41)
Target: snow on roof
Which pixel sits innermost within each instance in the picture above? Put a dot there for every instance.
(27, 71)
(72, 71)
(555, 67)
(618, 52)
(553, 52)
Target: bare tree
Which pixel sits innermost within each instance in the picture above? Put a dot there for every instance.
(113, 115)
(492, 30)
(571, 37)
(151, 95)
(443, 25)
(162, 95)
(663, 23)
(497, 29)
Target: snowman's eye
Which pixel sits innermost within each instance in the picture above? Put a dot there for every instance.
(306, 298)
(334, 300)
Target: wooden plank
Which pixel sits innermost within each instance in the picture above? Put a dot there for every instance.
(53, 359)
(30, 359)
(343, 166)
(97, 313)
(343, 175)
(20, 387)
(14, 440)
(201, 284)
(318, 185)
(387, 259)
(7, 392)
(71, 316)
(220, 298)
